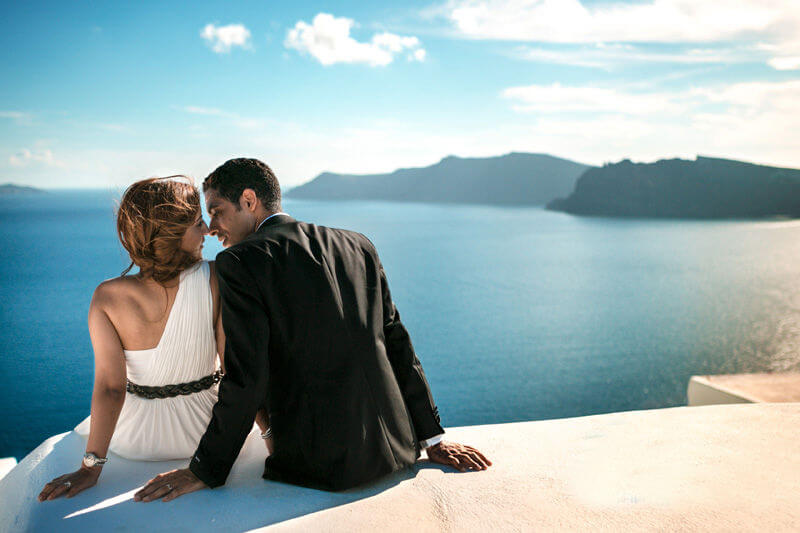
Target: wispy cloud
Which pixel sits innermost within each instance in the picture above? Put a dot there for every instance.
(772, 23)
(223, 38)
(749, 120)
(17, 116)
(556, 98)
(327, 39)
(612, 55)
(195, 110)
(747, 98)
(235, 119)
(26, 157)
(116, 128)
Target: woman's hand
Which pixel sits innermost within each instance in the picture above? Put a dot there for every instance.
(70, 484)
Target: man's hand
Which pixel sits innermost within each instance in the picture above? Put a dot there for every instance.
(169, 486)
(70, 484)
(458, 456)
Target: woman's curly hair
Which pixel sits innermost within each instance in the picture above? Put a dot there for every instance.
(153, 215)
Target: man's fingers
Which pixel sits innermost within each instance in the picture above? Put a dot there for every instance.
(478, 453)
(180, 491)
(172, 495)
(159, 492)
(456, 461)
(467, 461)
(483, 458)
(146, 490)
(478, 458)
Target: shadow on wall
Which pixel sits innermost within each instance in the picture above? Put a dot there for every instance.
(246, 501)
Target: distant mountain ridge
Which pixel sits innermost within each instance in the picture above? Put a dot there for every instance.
(511, 179)
(11, 188)
(704, 188)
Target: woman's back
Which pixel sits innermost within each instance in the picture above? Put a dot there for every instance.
(173, 347)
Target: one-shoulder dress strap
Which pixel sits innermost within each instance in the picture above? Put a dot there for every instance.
(188, 348)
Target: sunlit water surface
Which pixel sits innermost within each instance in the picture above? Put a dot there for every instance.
(516, 313)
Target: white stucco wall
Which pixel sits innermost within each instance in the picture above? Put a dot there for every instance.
(717, 468)
(744, 388)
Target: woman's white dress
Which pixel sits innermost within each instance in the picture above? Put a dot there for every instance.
(170, 428)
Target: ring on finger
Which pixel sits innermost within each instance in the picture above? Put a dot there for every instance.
(67, 484)
(169, 486)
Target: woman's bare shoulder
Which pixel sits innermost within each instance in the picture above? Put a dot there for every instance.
(116, 291)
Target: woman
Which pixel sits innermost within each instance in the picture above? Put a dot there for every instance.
(155, 335)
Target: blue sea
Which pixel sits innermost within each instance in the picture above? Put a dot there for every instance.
(516, 313)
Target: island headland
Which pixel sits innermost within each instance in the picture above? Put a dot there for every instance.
(679, 188)
(11, 188)
(511, 179)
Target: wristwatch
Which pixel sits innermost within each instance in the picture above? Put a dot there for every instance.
(90, 460)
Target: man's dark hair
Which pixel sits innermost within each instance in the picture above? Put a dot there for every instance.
(235, 175)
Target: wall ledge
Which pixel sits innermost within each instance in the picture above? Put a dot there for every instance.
(716, 468)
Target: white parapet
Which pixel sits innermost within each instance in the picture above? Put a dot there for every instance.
(744, 388)
(6, 465)
(716, 468)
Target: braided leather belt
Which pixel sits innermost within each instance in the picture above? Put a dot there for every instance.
(170, 391)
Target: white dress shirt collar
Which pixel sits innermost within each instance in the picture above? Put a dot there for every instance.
(269, 217)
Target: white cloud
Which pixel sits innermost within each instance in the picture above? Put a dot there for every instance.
(785, 63)
(610, 55)
(556, 98)
(750, 98)
(223, 38)
(196, 110)
(17, 116)
(328, 40)
(753, 121)
(26, 157)
(246, 123)
(774, 22)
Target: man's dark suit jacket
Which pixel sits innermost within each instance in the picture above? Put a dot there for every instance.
(313, 336)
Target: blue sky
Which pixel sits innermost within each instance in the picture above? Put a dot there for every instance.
(100, 95)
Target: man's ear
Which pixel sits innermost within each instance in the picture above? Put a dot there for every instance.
(249, 200)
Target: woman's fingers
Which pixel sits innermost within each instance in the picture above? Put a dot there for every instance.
(50, 487)
(68, 484)
(58, 491)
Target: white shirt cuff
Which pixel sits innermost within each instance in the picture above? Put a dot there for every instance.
(431, 441)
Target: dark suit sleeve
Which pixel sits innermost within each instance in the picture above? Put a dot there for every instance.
(244, 386)
(407, 369)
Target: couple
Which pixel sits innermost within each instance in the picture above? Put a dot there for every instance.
(310, 347)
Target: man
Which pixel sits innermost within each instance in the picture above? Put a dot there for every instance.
(313, 339)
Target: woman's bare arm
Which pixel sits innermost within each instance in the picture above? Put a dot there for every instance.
(108, 396)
